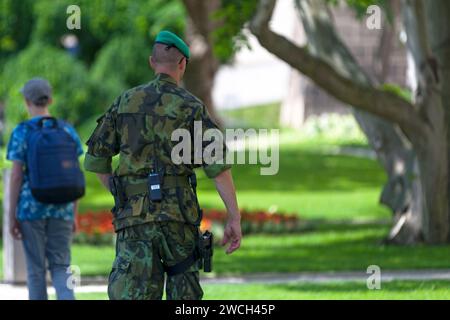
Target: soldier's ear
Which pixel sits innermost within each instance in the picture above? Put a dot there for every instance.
(151, 63)
(182, 65)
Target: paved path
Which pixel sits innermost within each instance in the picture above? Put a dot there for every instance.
(330, 276)
(91, 285)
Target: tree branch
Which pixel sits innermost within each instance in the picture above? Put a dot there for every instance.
(378, 102)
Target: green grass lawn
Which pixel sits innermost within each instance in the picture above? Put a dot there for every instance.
(265, 116)
(328, 248)
(311, 182)
(395, 290)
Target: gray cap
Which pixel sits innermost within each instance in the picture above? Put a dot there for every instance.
(36, 89)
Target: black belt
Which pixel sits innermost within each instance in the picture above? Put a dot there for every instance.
(169, 182)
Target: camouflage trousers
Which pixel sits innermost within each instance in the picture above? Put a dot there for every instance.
(142, 251)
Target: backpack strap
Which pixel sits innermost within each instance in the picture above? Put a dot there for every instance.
(39, 124)
(32, 126)
(36, 125)
(55, 122)
(61, 123)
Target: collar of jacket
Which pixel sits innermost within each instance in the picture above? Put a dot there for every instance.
(166, 78)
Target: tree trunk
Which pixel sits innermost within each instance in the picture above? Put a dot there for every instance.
(422, 20)
(389, 36)
(292, 111)
(438, 13)
(392, 149)
(423, 123)
(203, 65)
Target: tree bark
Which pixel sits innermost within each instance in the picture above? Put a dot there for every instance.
(419, 21)
(292, 110)
(392, 149)
(203, 65)
(438, 13)
(386, 46)
(422, 122)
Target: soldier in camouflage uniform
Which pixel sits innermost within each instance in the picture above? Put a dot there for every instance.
(153, 236)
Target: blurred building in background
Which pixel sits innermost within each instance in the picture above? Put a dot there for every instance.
(250, 80)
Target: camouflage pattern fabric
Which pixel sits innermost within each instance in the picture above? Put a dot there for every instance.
(138, 126)
(142, 253)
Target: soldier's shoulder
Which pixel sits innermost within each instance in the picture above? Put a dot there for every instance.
(135, 90)
(132, 99)
(189, 99)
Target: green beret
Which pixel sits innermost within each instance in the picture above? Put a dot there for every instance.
(171, 39)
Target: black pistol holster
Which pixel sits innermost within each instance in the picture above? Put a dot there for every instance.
(206, 251)
(203, 250)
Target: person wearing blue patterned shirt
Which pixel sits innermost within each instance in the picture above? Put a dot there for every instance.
(45, 229)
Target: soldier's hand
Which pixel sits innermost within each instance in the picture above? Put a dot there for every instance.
(232, 235)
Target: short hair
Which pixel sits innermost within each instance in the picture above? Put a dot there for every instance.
(166, 55)
(42, 102)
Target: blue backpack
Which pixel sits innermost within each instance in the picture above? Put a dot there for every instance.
(53, 168)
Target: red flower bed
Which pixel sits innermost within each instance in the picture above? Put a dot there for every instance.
(254, 221)
(95, 222)
(100, 222)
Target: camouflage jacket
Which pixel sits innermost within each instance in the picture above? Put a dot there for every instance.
(138, 127)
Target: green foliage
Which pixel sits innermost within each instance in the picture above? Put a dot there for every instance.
(16, 21)
(50, 27)
(229, 38)
(140, 17)
(234, 14)
(115, 41)
(102, 21)
(397, 90)
(125, 59)
(64, 73)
